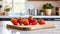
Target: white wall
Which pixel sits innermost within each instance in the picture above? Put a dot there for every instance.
(38, 4)
(2, 5)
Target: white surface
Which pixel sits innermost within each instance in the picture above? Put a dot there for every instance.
(26, 16)
(56, 30)
(39, 4)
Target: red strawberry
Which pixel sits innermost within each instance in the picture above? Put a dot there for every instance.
(41, 22)
(34, 22)
(20, 20)
(30, 19)
(26, 22)
(14, 21)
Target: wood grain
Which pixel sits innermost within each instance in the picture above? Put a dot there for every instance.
(43, 0)
(0, 0)
(30, 27)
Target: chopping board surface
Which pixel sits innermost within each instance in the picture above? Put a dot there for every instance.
(31, 27)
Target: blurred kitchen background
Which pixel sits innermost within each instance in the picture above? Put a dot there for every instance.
(23, 6)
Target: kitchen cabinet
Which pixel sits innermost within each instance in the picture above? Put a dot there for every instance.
(0, 0)
(58, 0)
(43, 0)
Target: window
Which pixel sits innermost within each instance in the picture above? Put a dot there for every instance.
(7, 2)
(18, 6)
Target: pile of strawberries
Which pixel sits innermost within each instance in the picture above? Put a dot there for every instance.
(28, 21)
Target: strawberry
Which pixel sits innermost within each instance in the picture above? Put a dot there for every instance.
(14, 21)
(25, 22)
(42, 22)
(20, 20)
(30, 19)
(34, 22)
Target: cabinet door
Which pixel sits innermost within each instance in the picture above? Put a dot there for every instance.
(42, 0)
(0, 0)
(58, 0)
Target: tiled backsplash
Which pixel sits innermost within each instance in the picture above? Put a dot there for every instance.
(38, 4)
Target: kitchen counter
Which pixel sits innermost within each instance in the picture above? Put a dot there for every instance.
(4, 30)
(26, 16)
(47, 18)
(43, 31)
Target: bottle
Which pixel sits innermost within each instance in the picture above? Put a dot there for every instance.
(30, 12)
(57, 9)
